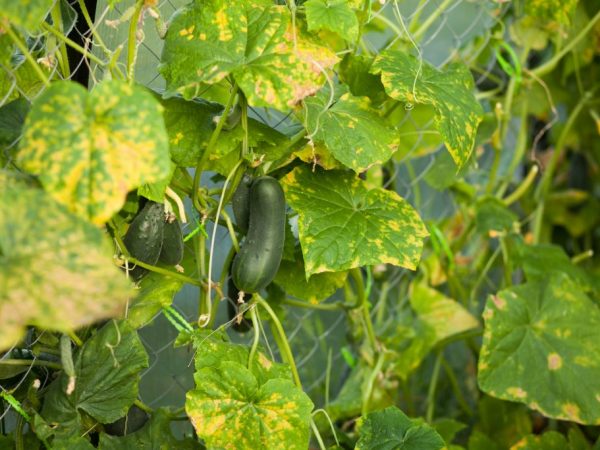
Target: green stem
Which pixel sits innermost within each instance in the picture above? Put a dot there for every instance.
(209, 147)
(364, 306)
(256, 340)
(90, 23)
(75, 338)
(286, 351)
(544, 186)
(548, 66)
(46, 26)
(433, 386)
(315, 431)
(19, 443)
(523, 187)
(318, 306)
(30, 362)
(36, 67)
(370, 384)
(64, 59)
(460, 398)
(132, 40)
(431, 19)
(140, 404)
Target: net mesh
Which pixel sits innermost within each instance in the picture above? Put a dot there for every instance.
(459, 30)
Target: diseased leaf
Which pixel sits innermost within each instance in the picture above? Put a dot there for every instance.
(354, 133)
(343, 225)
(252, 42)
(230, 409)
(354, 71)
(551, 440)
(90, 149)
(552, 12)
(25, 13)
(56, 270)
(540, 348)
(457, 112)
(107, 370)
(157, 291)
(332, 15)
(391, 429)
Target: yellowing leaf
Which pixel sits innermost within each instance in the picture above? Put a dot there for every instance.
(90, 149)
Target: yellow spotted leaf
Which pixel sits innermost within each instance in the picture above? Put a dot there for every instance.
(90, 149)
(56, 270)
(540, 348)
(450, 92)
(254, 42)
(343, 224)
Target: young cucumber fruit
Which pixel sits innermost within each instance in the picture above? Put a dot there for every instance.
(145, 236)
(257, 262)
(241, 205)
(171, 252)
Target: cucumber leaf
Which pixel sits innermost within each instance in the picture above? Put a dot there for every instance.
(540, 348)
(391, 429)
(90, 149)
(343, 224)
(25, 13)
(354, 133)
(252, 42)
(332, 15)
(56, 270)
(107, 370)
(457, 111)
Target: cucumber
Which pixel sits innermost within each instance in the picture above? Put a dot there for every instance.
(240, 203)
(171, 252)
(257, 262)
(144, 237)
(233, 308)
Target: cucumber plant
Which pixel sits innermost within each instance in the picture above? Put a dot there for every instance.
(395, 204)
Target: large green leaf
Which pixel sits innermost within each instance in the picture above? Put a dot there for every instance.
(230, 409)
(155, 435)
(343, 224)
(540, 347)
(391, 429)
(457, 112)
(25, 13)
(157, 291)
(56, 270)
(90, 149)
(354, 133)
(551, 440)
(107, 370)
(332, 15)
(253, 42)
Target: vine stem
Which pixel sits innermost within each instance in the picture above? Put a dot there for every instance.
(254, 317)
(363, 304)
(433, 386)
(35, 66)
(30, 362)
(202, 322)
(64, 59)
(209, 147)
(132, 40)
(544, 186)
(318, 306)
(370, 384)
(140, 404)
(550, 64)
(92, 27)
(523, 187)
(431, 19)
(58, 34)
(286, 351)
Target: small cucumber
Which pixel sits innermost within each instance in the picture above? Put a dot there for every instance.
(171, 252)
(240, 203)
(257, 262)
(144, 236)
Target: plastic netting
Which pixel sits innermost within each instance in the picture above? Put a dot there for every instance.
(458, 30)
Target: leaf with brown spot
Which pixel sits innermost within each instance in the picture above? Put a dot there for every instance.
(540, 347)
(90, 149)
(457, 111)
(343, 224)
(56, 270)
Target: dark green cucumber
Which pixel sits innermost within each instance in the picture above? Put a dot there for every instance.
(240, 203)
(145, 236)
(257, 262)
(172, 246)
